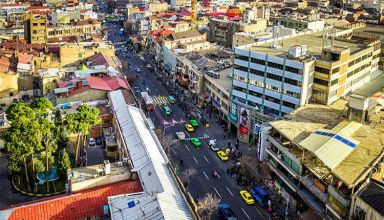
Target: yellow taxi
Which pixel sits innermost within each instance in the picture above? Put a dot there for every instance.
(222, 155)
(189, 127)
(246, 196)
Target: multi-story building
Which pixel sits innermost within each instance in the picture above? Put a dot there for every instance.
(35, 27)
(221, 31)
(275, 78)
(321, 159)
(180, 3)
(38, 29)
(298, 23)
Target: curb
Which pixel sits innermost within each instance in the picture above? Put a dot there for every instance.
(32, 194)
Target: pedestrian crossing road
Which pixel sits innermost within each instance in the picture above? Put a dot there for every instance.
(160, 100)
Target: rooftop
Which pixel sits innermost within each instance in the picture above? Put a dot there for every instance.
(225, 80)
(94, 171)
(314, 42)
(313, 119)
(86, 204)
(373, 195)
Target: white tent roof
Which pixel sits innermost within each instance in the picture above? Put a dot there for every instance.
(162, 194)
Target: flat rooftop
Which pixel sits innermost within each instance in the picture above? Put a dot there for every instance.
(373, 29)
(314, 42)
(372, 86)
(304, 121)
(94, 171)
(225, 81)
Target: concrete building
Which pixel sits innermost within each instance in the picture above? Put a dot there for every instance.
(316, 157)
(275, 78)
(221, 31)
(180, 3)
(185, 38)
(299, 24)
(35, 27)
(366, 203)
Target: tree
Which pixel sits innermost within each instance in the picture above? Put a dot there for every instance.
(60, 131)
(80, 123)
(167, 143)
(64, 163)
(42, 106)
(187, 174)
(207, 204)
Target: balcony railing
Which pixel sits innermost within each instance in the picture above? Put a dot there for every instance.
(343, 201)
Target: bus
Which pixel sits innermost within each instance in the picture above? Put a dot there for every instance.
(121, 31)
(148, 101)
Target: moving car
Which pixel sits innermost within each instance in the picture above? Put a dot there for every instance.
(180, 135)
(138, 70)
(91, 142)
(65, 105)
(189, 128)
(194, 123)
(200, 105)
(222, 155)
(212, 144)
(246, 196)
(171, 99)
(196, 142)
(167, 111)
(226, 212)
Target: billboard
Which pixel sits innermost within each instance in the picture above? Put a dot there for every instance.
(244, 121)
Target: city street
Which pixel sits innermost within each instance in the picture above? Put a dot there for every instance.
(203, 160)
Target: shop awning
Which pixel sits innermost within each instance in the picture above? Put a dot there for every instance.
(204, 95)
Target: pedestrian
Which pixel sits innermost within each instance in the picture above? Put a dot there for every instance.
(228, 171)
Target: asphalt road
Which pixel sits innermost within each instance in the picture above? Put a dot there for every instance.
(203, 160)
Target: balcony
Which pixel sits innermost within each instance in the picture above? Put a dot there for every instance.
(193, 78)
(339, 197)
(309, 183)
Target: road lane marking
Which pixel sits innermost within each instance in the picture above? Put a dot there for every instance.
(217, 192)
(246, 214)
(229, 192)
(195, 160)
(259, 213)
(218, 176)
(205, 175)
(206, 159)
(186, 147)
(188, 134)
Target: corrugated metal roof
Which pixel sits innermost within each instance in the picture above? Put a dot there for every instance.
(82, 205)
(332, 147)
(150, 161)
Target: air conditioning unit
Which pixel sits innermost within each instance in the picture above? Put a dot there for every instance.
(120, 164)
(125, 161)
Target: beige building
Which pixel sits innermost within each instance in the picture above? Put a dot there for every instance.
(185, 37)
(73, 53)
(35, 27)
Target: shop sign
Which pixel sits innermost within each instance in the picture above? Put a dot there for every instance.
(233, 117)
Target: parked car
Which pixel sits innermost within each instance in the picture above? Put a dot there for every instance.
(222, 155)
(91, 142)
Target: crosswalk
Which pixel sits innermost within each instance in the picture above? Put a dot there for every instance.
(188, 139)
(160, 100)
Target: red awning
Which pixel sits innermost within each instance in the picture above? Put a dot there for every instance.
(204, 95)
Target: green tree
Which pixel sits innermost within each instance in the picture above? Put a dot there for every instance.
(80, 123)
(42, 106)
(19, 112)
(49, 143)
(60, 131)
(64, 163)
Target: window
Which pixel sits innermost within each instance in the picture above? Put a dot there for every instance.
(292, 82)
(271, 99)
(275, 65)
(257, 72)
(292, 69)
(290, 93)
(255, 93)
(240, 57)
(335, 70)
(335, 81)
(321, 70)
(34, 24)
(273, 88)
(242, 68)
(289, 105)
(320, 81)
(252, 104)
(274, 77)
(258, 61)
(256, 83)
(239, 89)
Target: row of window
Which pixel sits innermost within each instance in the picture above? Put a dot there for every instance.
(359, 59)
(357, 70)
(267, 109)
(270, 87)
(270, 64)
(270, 76)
